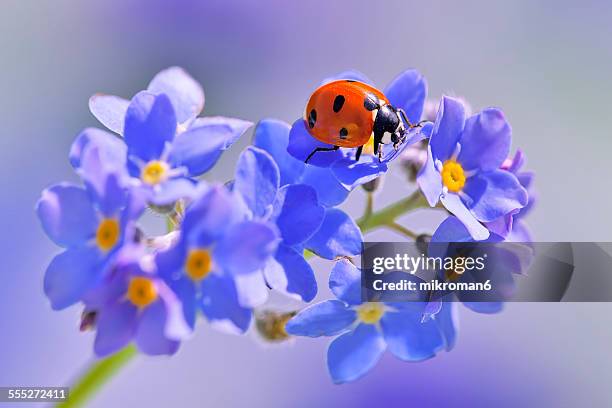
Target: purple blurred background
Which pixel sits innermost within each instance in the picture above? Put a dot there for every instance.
(547, 63)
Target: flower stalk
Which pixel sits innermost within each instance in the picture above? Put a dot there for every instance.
(96, 376)
(387, 216)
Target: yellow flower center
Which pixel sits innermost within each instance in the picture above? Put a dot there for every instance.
(453, 176)
(368, 148)
(107, 234)
(370, 313)
(198, 264)
(141, 291)
(154, 172)
(455, 273)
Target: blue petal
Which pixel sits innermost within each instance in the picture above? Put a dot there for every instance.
(408, 339)
(110, 286)
(251, 289)
(300, 277)
(494, 194)
(185, 93)
(257, 179)
(71, 274)
(136, 204)
(273, 136)
(457, 207)
(322, 319)
(169, 261)
(173, 190)
(447, 320)
(302, 143)
(501, 265)
(408, 92)
(176, 326)
(112, 148)
(426, 130)
(236, 127)
(210, 215)
(430, 180)
(186, 292)
(525, 178)
(485, 143)
(349, 74)
(110, 110)
(338, 236)
(220, 305)
(353, 173)
(115, 328)
(105, 181)
(451, 230)
(199, 148)
(67, 214)
(150, 334)
(345, 282)
(274, 274)
(447, 128)
(297, 213)
(245, 247)
(115, 195)
(485, 307)
(353, 354)
(330, 191)
(431, 309)
(502, 226)
(150, 123)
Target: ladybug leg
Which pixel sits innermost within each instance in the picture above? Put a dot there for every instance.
(321, 149)
(378, 136)
(405, 117)
(358, 154)
(398, 138)
(411, 125)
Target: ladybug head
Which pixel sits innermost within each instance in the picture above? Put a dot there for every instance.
(389, 127)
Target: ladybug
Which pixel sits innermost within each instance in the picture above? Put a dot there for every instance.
(348, 113)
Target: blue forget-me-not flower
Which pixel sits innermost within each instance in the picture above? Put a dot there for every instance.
(365, 330)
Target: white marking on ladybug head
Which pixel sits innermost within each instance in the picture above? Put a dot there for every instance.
(374, 113)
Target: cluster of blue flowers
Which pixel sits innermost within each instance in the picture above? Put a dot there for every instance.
(231, 244)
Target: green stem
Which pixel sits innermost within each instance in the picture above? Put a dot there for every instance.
(402, 230)
(96, 376)
(387, 216)
(369, 204)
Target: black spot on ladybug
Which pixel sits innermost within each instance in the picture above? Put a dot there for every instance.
(370, 102)
(338, 103)
(350, 80)
(312, 118)
(343, 133)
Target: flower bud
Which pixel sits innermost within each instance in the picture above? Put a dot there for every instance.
(271, 325)
(373, 185)
(422, 242)
(88, 320)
